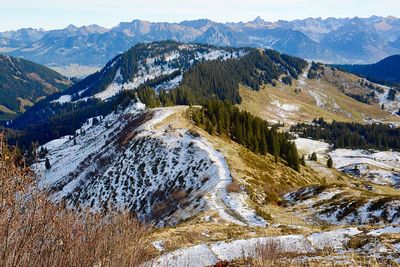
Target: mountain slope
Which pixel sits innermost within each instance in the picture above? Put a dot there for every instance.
(181, 73)
(161, 173)
(387, 69)
(12, 40)
(23, 83)
(334, 95)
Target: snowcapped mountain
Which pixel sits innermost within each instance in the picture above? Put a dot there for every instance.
(11, 40)
(331, 39)
(102, 149)
(159, 65)
(356, 39)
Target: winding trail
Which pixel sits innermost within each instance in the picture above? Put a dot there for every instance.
(230, 207)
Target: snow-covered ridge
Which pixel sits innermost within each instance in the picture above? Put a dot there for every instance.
(131, 160)
(161, 62)
(149, 69)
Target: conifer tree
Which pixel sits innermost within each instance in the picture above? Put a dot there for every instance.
(209, 127)
(47, 164)
(313, 157)
(303, 161)
(329, 163)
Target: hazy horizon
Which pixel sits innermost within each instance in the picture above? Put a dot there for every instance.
(50, 15)
(244, 21)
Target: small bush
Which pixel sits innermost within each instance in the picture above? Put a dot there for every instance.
(233, 187)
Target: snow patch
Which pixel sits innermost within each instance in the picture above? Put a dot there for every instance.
(285, 107)
(57, 142)
(63, 99)
(335, 239)
(385, 230)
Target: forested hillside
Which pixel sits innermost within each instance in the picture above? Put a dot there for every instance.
(221, 79)
(351, 135)
(23, 83)
(386, 70)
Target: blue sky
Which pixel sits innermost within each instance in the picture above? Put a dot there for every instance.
(51, 14)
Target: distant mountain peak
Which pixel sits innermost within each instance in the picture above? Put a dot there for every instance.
(71, 27)
(259, 20)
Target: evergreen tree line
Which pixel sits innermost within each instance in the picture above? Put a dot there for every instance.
(351, 135)
(223, 118)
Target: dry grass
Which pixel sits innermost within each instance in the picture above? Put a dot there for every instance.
(35, 232)
(273, 254)
(259, 103)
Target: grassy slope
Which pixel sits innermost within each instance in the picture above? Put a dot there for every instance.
(259, 103)
(265, 182)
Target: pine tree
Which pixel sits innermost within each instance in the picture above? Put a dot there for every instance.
(220, 128)
(292, 157)
(263, 146)
(303, 161)
(330, 163)
(238, 132)
(47, 164)
(313, 157)
(209, 127)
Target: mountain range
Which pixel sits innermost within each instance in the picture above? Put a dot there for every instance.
(333, 40)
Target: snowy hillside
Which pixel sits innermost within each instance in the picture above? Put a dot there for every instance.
(339, 206)
(379, 167)
(126, 160)
(162, 64)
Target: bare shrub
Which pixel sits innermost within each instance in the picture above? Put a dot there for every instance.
(233, 187)
(178, 198)
(273, 253)
(36, 232)
(179, 195)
